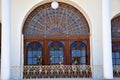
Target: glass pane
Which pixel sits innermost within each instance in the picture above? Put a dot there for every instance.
(61, 60)
(83, 60)
(52, 53)
(113, 54)
(40, 53)
(55, 60)
(29, 60)
(56, 54)
(60, 53)
(83, 53)
(113, 61)
(78, 52)
(117, 61)
(34, 54)
(74, 53)
(51, 58)
(117, 54)
(34, 60)
(29, 53)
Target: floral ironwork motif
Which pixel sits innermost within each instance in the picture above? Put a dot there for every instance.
(59, 71)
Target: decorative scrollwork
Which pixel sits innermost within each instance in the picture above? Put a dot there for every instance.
(60, 71)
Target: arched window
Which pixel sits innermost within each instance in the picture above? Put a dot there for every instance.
(56, 28)
(34, 53)
(116, 40)
(116, 45)
(78, 53)
(56, 53)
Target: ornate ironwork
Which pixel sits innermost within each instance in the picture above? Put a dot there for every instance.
(116, 70)
(58, 71)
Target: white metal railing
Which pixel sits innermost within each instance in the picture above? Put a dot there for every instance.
(57, 71)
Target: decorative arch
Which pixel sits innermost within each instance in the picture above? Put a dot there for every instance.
(65, 24)
(115, 23)
(65, 20)
(115, 28)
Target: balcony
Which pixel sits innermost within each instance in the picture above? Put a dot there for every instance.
(57, 71)
(70, 72)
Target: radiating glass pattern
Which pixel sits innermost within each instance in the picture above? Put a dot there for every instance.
(116, 28)
(65, 21)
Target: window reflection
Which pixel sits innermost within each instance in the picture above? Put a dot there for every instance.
(34, 53)
(116, 53)
(78, 50)
(56, 51)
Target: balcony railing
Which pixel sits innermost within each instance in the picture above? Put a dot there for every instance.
(57, 71)
(116, 71)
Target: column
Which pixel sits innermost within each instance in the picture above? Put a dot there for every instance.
(22, 57)
(107, 50)
(5, 56)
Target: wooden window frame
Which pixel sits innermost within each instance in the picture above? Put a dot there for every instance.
(67, 48)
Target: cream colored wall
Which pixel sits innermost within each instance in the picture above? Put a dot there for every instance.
(19, 9)
(93, 10)
(115, 8)
(90, 8)
(0, 10)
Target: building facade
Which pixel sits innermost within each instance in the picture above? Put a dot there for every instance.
(77, 40)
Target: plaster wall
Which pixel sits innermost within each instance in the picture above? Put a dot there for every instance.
(0, 10)
(115, 8)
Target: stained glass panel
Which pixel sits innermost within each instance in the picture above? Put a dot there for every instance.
(66, 21)
(115, 28)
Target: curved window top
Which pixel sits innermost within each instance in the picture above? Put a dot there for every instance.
(116, 28)
(34, 46)
(78, 44)
(65, 21)
(56, 43)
